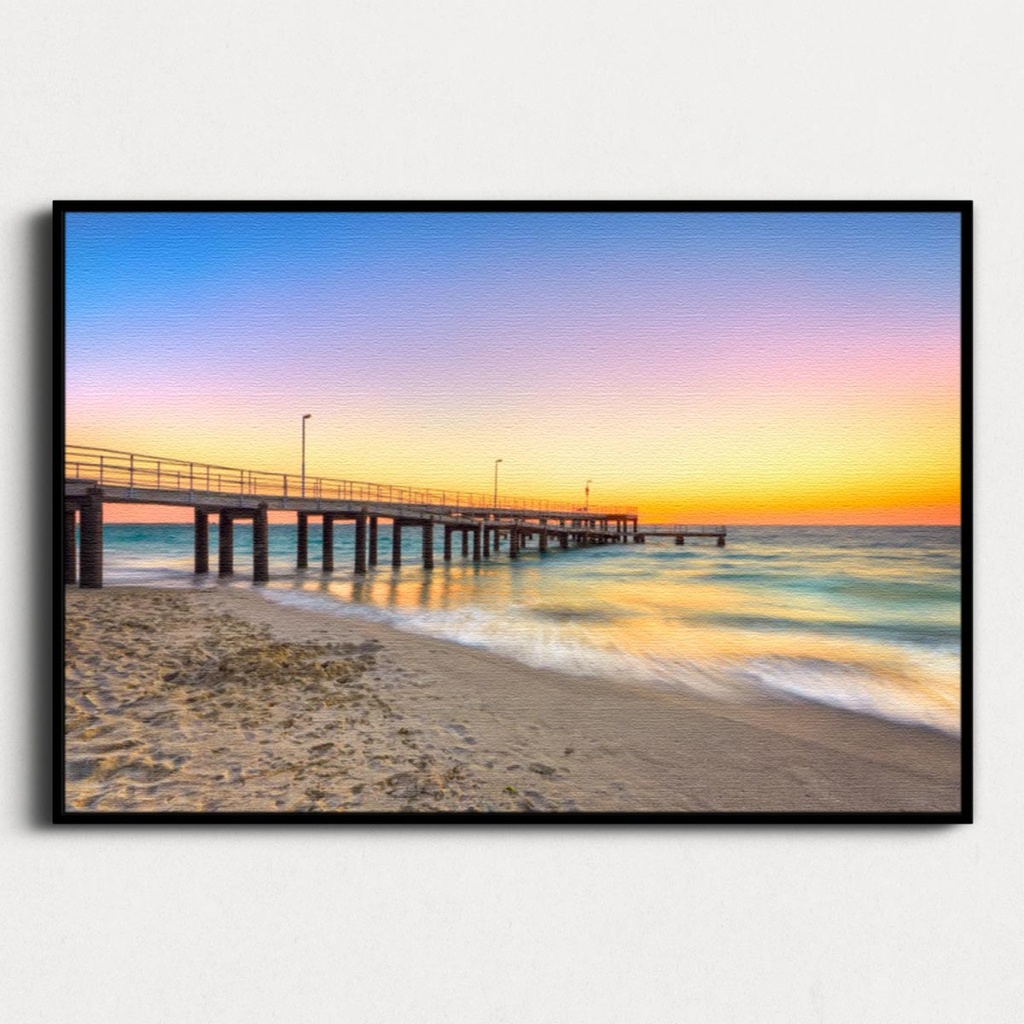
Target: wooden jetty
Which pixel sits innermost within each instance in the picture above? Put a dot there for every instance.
(680, 533)
(97, 476)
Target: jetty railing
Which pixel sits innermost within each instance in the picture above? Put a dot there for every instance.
(159, 474)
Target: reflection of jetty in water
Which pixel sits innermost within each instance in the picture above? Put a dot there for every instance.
(94, 476)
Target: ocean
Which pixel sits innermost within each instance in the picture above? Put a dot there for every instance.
(862, 618)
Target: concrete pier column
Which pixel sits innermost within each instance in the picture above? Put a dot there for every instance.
(428, 545)
(360, 566)
(225, 544)
(721, 542)
(680, 540)
(201, 538)
(302, 538)
(487, 540)
(563, 540)
(70, 566)
(373, 540)
(543, 545)
(465, 542)
(477, 530)
(497, 538)
(448, 543)
(91, 539)
(513, 542)
(396, 543)
(327, 543)
(260, 546)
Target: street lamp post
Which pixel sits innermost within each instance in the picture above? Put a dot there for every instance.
(307, 416)
(586, 507)
(496, 461)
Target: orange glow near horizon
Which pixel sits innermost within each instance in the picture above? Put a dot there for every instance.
(765, 460)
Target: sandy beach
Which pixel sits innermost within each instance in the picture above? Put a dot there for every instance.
(223, 701)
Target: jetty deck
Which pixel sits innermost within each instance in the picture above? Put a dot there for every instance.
(97, 476)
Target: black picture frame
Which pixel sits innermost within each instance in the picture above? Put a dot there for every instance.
(63, 815)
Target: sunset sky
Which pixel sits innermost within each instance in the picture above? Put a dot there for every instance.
(736, 368)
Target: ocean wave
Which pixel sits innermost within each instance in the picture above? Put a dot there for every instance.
(875, 690)
(904, 630)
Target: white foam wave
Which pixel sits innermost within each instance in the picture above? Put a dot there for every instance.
(576, 650)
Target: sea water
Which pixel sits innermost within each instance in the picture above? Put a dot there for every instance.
(864, 618)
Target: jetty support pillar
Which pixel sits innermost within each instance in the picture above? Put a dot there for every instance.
(302, 540)
(70, 553)
(225, 543)
(487, 540)
(360, 566)
(465, 542)
(448, 542)
(201, 542)
(428, 544)
(396, 543)
(260, 545)
(90, 556)
(477, 530)
(721, 540)
(327, 543)
(373, 540)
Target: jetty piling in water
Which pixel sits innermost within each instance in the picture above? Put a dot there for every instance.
(225, 543)
(201, 547)
(302, 541)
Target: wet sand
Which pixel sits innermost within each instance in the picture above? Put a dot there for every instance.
(220, 700)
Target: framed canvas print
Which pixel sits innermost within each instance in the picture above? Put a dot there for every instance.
(489, 512)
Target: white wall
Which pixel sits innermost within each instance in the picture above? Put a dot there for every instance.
(483, 100)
